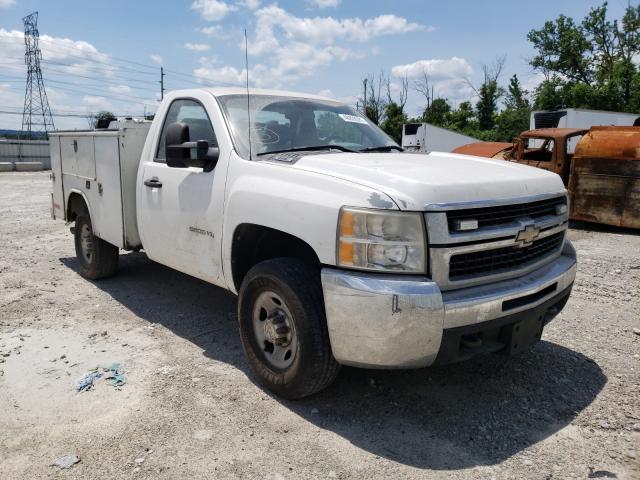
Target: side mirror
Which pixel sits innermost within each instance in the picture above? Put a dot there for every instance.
(182, 153)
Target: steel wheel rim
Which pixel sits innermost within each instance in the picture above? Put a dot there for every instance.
(86, 242)
(274, 330)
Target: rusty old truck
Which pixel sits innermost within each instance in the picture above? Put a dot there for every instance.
(599, 166)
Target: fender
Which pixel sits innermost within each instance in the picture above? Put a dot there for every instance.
(300, 203)
(86, 202)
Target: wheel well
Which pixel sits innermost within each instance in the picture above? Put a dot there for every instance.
(253, 244)
(75, 206)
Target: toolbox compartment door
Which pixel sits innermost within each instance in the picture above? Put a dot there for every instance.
(107, 197)
(58, 208)
(77, 153)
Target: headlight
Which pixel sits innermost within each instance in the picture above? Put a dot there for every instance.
(381, 240)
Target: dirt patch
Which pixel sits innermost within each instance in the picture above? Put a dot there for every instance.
(190, 407)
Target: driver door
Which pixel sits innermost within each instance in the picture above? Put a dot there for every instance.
(181, 208)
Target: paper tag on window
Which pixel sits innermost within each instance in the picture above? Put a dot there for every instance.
(352, 118)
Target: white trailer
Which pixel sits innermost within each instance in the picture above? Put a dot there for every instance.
(424, 137)
(580, 118)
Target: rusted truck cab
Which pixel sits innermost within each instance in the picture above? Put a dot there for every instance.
(600, 167)
(604, 181)
(547, 148)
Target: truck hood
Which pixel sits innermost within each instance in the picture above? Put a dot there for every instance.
(415, 181)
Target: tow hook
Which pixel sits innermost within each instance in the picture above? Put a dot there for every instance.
(471, 341)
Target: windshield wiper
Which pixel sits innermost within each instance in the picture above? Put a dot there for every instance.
(307, 149)
(382, 148)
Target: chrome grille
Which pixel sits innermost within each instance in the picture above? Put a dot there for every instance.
(486, 262)
(503, 214)
(497, 250)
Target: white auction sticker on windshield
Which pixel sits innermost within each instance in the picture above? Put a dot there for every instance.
(352, 118)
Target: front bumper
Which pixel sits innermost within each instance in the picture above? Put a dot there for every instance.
(393, 321)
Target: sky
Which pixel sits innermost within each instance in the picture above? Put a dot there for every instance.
(107, 55)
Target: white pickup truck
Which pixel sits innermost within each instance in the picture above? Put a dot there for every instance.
(342, 248)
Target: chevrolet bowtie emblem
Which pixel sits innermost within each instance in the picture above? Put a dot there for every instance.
(527, 236)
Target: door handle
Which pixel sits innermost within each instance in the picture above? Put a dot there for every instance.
(153, 183)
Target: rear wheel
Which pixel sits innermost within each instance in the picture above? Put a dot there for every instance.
(283, 328)
(96, 258)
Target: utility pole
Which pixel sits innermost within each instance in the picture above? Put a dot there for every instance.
(364, 83)
(162, 83)
(36, 116)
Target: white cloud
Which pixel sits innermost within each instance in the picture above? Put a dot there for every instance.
(531, 82)
(212, 10)
(157, 58)
(436, 69)
(447, 77)
(60, 54)
(325, 3)
(250, 4)
(196, 47)
(292, 47)
(225, 75)
(7, 3)
(273, 21)
(96, 102)
(120, 89)
(214, 31)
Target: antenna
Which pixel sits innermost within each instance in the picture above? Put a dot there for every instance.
(246, 66)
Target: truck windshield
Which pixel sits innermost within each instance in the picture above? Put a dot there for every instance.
(289, 123)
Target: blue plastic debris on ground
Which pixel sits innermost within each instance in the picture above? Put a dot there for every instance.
(114, 373)
(66, 461)
(86, 381)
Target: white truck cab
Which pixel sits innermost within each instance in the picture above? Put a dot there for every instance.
(342, 248)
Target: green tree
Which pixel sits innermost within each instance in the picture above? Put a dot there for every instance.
(516, 97)
(463, 118)
(514, 119)
(488, 94)
(487, 104)
(103, 118)
(437, 113)
(394, 119)
(592, 64)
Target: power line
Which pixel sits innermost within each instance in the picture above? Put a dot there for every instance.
(93, 60)
(78, 115)
(119, 98)
(186, 78)
(96, 52)
(12, 79)
(62, 48)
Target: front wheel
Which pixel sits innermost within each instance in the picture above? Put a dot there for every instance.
(283, 328)
(96, 258)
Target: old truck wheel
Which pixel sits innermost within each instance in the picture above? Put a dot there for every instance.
(283, 328)
(96, 258)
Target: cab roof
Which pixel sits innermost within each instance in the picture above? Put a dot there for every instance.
(553, 132)
(221, 91)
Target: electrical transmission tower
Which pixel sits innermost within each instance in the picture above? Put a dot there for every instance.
(36, 116)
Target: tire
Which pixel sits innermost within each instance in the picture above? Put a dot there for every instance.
(96, 258)
(310, 367)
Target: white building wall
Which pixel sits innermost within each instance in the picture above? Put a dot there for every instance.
(17, 151)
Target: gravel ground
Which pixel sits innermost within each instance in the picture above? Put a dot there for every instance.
(191, 408)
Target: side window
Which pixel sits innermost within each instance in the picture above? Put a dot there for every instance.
(193, 114)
